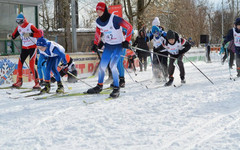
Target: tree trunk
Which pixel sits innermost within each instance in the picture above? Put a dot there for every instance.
(140, 11)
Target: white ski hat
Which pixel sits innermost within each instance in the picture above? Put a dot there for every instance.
(156, 22)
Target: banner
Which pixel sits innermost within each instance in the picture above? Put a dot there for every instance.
(116, 9)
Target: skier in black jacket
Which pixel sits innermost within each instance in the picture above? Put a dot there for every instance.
(176, 47)
(234, 34)
(141, 42)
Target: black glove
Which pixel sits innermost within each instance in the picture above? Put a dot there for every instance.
(125, 44)
(65, 68)
(94, 48)
(101, 44)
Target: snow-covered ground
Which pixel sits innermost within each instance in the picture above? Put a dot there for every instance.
(198, 115)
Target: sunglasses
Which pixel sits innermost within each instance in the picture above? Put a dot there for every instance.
(19, 21)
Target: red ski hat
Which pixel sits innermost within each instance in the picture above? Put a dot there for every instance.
(101, 6)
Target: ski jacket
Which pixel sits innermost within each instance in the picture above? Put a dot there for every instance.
(54, 49)
(141, 42)
(233, 34)
(180, 46)
(112, 30)
(29, 42)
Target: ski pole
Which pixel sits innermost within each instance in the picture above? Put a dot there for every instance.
(70, 88)
(99, 57)
(133, 70)
(20, 52)
(138, 58)
(135, 80)
(197, 68)
(78, 79)
(153, 52)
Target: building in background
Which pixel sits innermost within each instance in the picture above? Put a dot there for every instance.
(9, 10)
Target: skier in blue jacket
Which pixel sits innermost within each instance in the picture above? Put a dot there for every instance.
(54, 53)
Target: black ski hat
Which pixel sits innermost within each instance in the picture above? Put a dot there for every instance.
(237, 22)
(170, 35)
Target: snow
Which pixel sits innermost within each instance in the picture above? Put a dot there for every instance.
(196, 116)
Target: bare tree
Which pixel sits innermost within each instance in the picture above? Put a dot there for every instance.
(130, 6)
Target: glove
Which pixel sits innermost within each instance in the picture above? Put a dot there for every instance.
(94, 48)
(65, 68)
(125, 44)
(9, 36)
(101, 44)
(26, 35)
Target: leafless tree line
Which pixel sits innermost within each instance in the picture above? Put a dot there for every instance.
(190, 18)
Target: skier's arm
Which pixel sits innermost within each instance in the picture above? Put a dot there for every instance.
(97, 36)
(36, 33)
(229, 36)
(15, 34)
(186, 46)
(117, 22)
(135, 42)
(61, 54)
(160, 48)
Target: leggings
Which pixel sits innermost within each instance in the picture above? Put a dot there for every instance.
(52, 64)
(110, 54)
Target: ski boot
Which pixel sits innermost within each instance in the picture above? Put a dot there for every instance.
(37, 85)
(46, 89)
(18, 84)
(60, 88)
(183, 81)
(170, 81)
(95, 90)
(111, 85)
(53, 80)
(238, 75)
(115, 93)
(121, 82)
(42, 83)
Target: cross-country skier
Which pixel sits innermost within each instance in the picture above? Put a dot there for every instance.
(111, 27)
(54, 53)
(176, 47)
(159, 61)
(28, 34)
(234, 34)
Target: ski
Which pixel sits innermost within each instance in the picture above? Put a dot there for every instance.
(31, 90)
(110, 98)
(95, 101)
(177, 86)
(157, 86)
(11, 87)
(68, 95)
(234, 78)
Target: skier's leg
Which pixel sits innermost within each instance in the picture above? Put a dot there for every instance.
(113, 65)
(181, 68)
(106, 56)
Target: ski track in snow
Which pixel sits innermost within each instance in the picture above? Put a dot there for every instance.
(196, 116)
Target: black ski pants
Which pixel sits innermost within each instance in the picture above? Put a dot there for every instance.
(171, 67)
